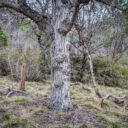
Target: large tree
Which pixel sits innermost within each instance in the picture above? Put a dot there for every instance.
(55, 18)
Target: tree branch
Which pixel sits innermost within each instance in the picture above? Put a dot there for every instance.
(109, 3)
(10, 5)
(42, 21)
(105, 2)
(73, 18)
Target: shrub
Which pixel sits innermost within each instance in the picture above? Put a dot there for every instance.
(3, 38)
(32, 56)
(106, 73)
(36, 66)
(6, 116)
(4, 67)
(75, 67)
(110, 75)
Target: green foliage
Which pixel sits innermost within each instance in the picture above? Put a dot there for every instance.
(106, 121)
(37, 68)
(84, 125)
(110, 74)
(126, 28)
(23, 99)
(106, 73)
(60, 114)
(18, 123)
(41, 33)
(13, 122)
(3, 38)
(4, 66)
(6, 116)
(76, 65)
(109, 37)
(36, 112)
(25, 27)
(124, 119)
(67, 126)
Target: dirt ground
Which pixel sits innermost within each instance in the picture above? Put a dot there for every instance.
(29, 109)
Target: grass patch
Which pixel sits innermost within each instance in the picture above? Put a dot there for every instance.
(16, 105)
(84, 125)
(19, 123)
(2, 109)
(6, 116)
(67, 126)
(91, 106)
(61, 114)
(124, 119)
(108, 122)
(5, 101)
(45, 95)
(30, 109)
(23, 99)
(36, 112)
(112, 113)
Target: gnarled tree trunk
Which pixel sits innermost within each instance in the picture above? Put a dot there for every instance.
(60, 63)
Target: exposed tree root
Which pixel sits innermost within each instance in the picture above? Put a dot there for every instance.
(82, 85)
(13, 91)
(9, 91)
(117, 100)
(7, 88)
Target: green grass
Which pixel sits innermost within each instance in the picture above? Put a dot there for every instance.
(124, 119)
(19, 123)
(16, 106)
(67, 126)
(27, 107)
(6, 116)
(60, 114)
(38, 111)
(23, 99)
(112, 113)
(111, 123)
(2, 109)
(84, 125)
(30, 110)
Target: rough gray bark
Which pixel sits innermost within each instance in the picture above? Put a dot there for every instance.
(60, 60)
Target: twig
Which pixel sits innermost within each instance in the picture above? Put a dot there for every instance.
(4, 89)
(10, 93)
(13, 91)
(82, 85)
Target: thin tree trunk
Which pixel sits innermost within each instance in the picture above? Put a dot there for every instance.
(84, 60)
(23, 78)
(92, 72)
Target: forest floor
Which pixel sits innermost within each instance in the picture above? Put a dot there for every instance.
(30, 108)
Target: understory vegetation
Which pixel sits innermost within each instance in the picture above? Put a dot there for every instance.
(30, 109)
(107, 72)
